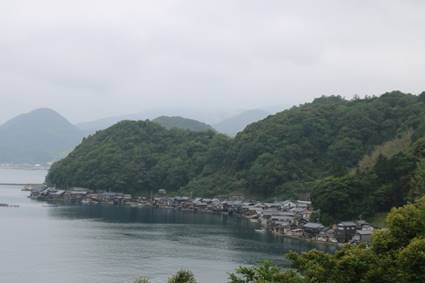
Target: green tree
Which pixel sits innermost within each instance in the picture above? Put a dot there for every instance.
(265, 272)
(183, 276)
(397, 253)
(417, 185)
(412, 260)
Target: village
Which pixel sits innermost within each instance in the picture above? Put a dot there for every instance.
(290, 218)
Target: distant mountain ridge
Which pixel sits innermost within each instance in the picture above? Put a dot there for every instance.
(229, 126)
(233, 125)
(103, 123)
(39, 136)
(177, 122)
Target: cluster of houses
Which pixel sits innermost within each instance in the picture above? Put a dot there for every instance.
(288, 218)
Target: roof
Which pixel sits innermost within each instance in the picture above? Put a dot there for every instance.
(312, 225)
(283, 218)
(347, 223)
(364, 232)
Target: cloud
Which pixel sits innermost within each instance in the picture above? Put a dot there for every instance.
(91, 58)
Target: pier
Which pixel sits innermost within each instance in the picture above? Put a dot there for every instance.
(19, 184)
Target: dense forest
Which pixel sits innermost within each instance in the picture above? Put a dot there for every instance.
(136, 157)
(355, 157)
(176, 122)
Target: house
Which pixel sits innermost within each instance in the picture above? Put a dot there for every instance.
(268, 213)
(36, 191)
(283, 218)
(363, 225)
(363, 236)
(287, 204)
(311, 229)
(345, 231)
(281, 227)
(75, 195)
(303, 204)
(55, 195)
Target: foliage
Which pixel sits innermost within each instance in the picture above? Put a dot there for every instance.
(392, 181)
(182, 123)
(287, 154)
(266, 272)
(183, 276)
(397, 255)
(137, 157)
(387, 149)
(417, 182)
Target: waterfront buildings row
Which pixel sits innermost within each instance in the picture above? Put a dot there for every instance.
(288, 218)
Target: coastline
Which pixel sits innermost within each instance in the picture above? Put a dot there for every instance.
(264, 217)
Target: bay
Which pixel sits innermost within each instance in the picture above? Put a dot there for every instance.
(79, 244)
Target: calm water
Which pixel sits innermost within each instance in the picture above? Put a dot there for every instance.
(81, 244)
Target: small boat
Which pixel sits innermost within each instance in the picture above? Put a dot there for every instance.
(50, 205)
(8, 205)
(260, 230)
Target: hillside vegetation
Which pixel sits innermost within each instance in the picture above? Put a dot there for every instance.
(396, 255)
(136, 157)
(176, 122)
(287, 154)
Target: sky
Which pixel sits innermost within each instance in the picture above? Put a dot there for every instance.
(89, 59)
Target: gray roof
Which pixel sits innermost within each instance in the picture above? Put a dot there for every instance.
(312, 225)
(347, 223)
(364, 232)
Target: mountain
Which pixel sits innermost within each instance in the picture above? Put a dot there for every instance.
(231, 126)
(176, 122)
(209, 116)
(286, 155)
(101, 124)
(40, 136)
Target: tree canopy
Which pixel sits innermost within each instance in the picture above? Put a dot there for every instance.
(312, 147)
(397, 255)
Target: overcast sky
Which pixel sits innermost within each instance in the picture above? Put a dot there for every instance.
(89, 59)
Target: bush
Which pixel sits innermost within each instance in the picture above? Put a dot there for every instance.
(183, 276)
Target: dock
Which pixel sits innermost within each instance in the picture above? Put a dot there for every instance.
(19, 184)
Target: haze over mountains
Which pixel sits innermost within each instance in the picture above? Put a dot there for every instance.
(43, 135)
(229, 125)
(40, 136)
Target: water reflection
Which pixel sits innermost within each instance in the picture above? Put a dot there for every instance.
(107, 244)
(175, 225)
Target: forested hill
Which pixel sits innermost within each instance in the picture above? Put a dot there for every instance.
(284, 154)
(176, 122)
(39, 136)
(137, 157)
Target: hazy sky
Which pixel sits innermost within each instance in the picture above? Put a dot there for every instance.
(93, 58)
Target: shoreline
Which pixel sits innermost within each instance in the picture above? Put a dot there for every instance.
(181, 205)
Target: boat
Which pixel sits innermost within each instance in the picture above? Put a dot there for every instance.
(8, 205)
(260, 230)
